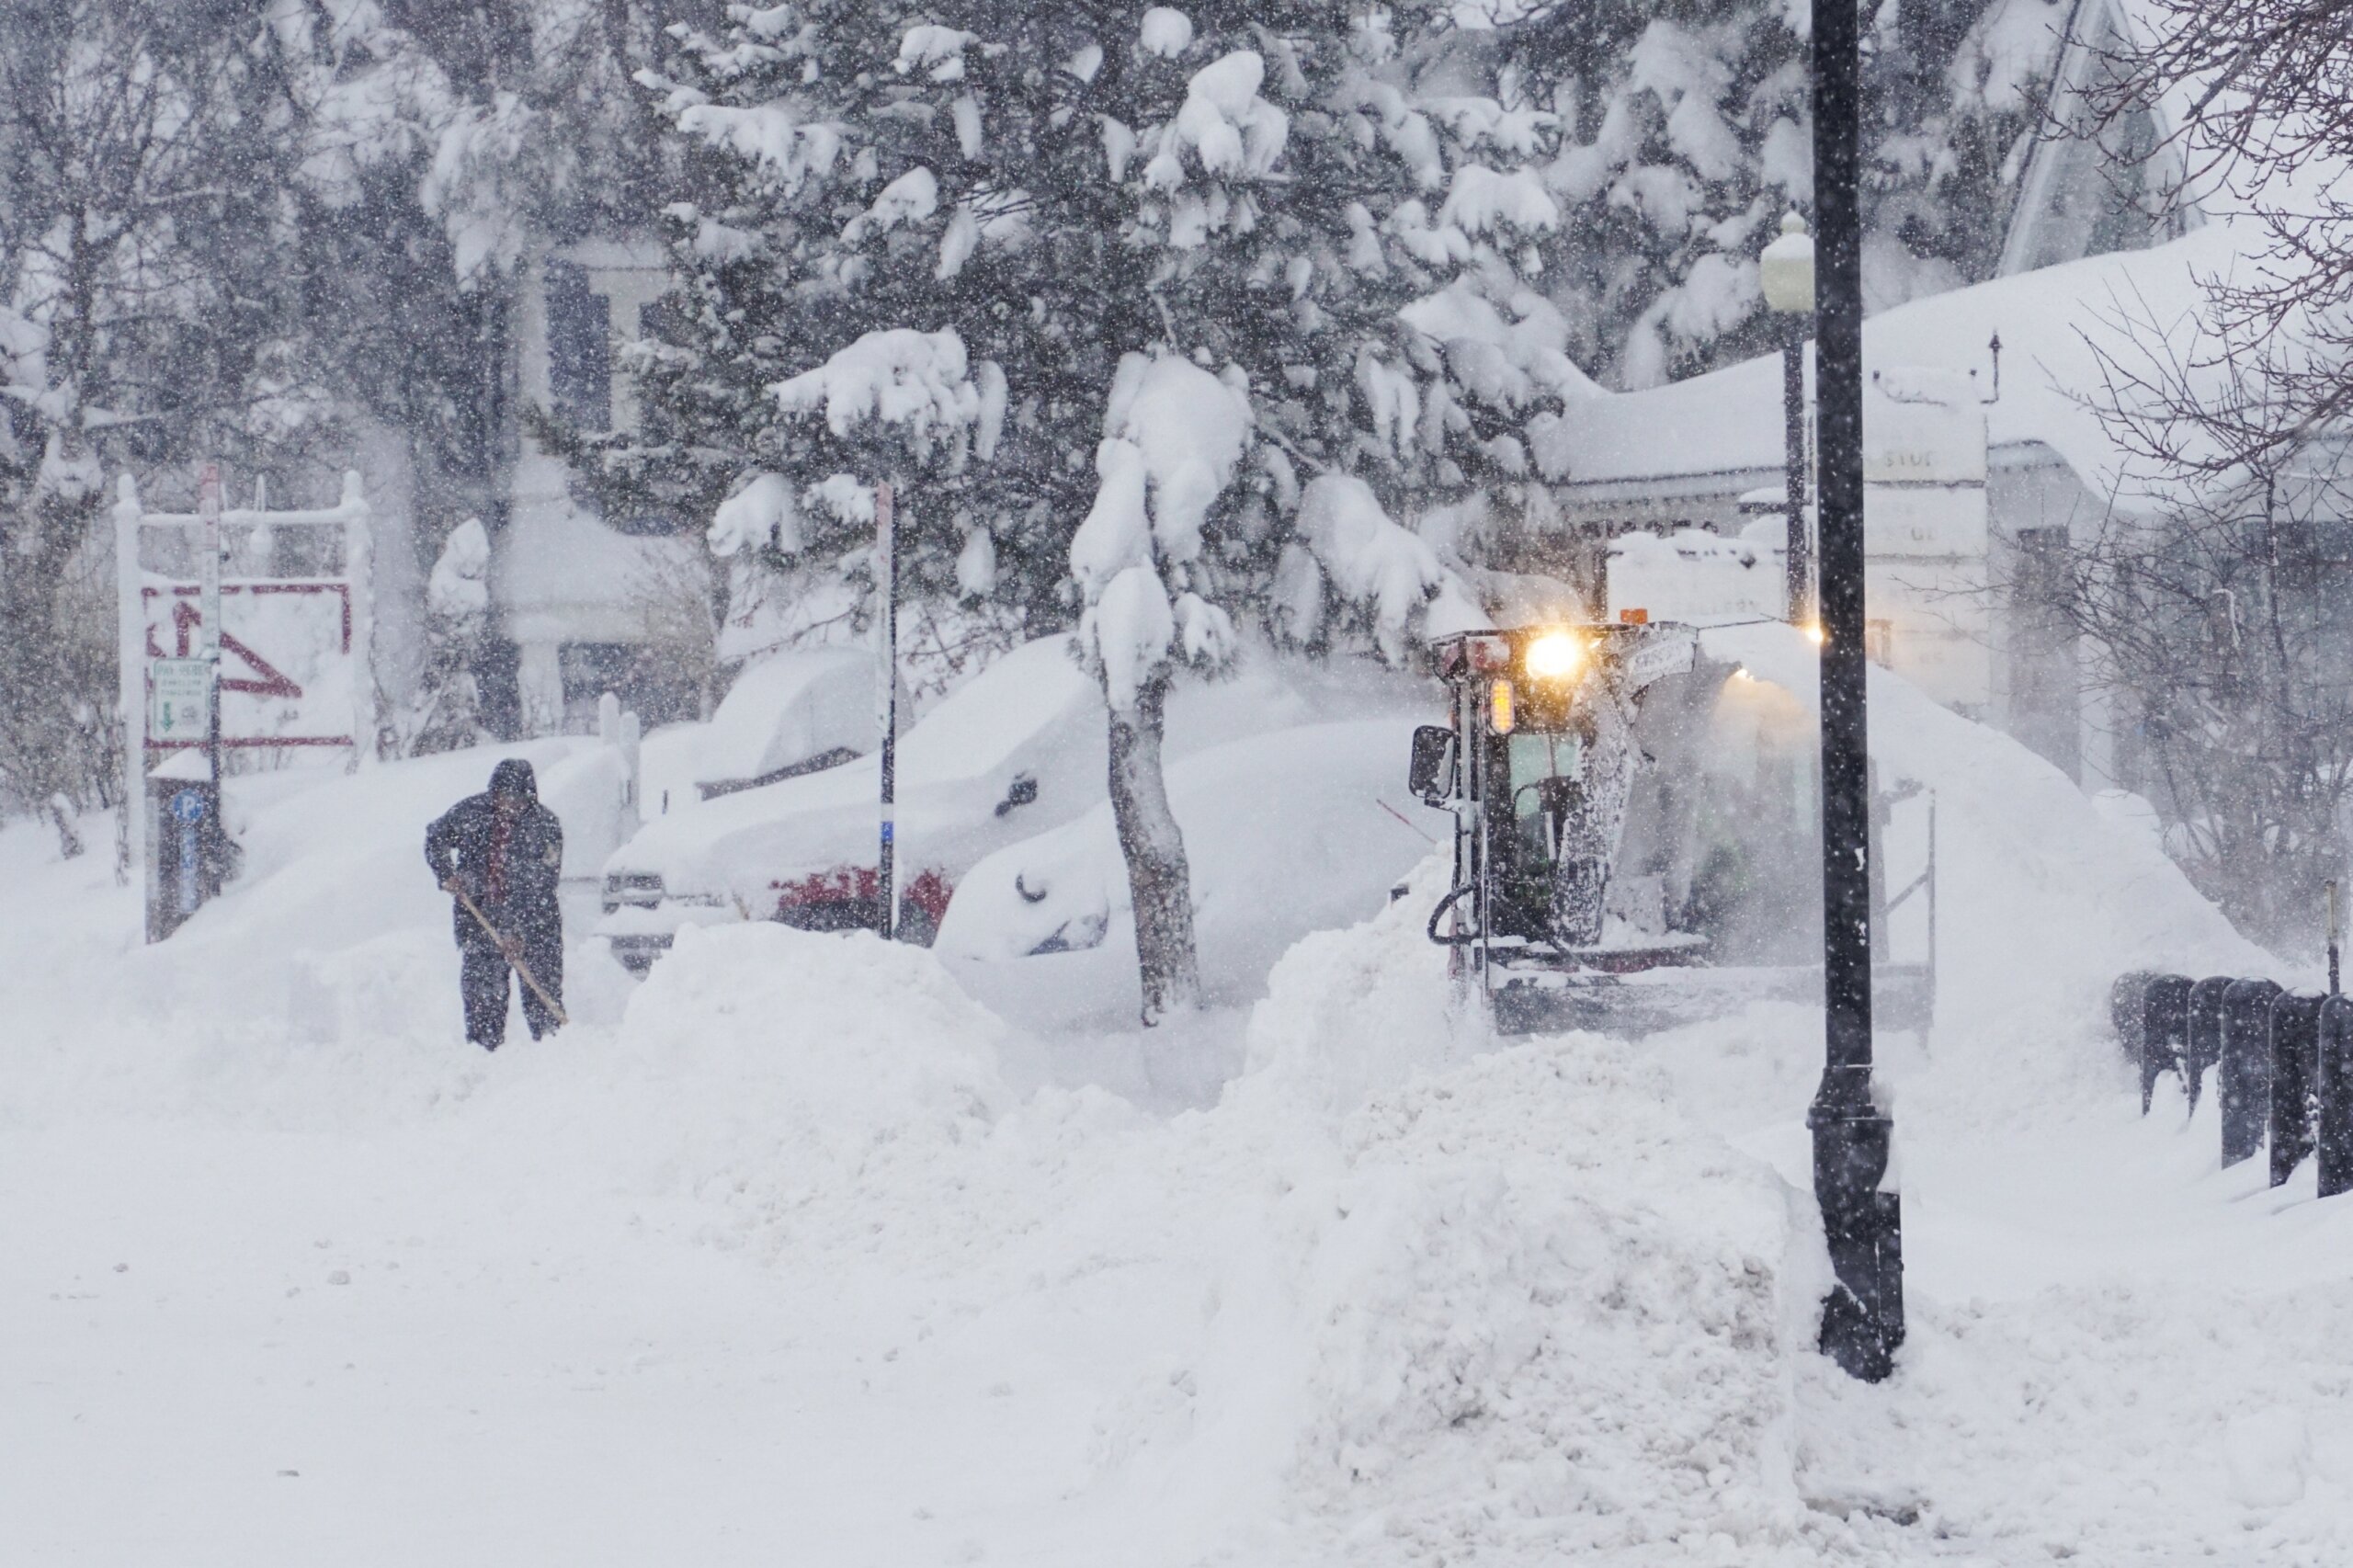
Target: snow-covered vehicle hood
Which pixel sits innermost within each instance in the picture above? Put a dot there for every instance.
(1034, 715)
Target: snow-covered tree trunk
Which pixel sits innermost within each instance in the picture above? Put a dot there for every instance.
(1159, 879)
(1174, 436)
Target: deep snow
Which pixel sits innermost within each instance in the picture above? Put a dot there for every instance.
(797, 1253)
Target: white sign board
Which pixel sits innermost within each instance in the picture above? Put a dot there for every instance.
(1915, 443)
(287, 659)
(1924, 520)
(180, 700)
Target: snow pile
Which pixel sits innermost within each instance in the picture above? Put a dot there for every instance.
(1353, 1011)
(1505, 1308)
(1695, 578)
(2043, 898)
(1547, 1319)
(785, 1069)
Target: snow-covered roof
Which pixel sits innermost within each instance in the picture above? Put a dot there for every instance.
(1729, 423)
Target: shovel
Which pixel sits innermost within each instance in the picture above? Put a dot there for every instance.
(506, 945)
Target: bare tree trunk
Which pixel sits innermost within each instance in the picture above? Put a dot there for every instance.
(1167, 960)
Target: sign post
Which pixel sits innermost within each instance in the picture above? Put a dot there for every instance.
(886, 573)
(208, 507)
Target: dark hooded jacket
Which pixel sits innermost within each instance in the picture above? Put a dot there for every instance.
(511, 875)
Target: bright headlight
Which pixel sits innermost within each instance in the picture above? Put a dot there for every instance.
(1554, 656)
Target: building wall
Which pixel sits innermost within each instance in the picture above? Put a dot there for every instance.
(584, 603)
(2035, 685)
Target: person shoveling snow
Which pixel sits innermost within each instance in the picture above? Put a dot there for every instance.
(499, 854)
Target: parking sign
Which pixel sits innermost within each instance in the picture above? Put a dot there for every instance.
(182, 697)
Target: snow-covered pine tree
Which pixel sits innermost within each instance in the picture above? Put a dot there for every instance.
(1688, 134)
(1271, 260)
(144, 162)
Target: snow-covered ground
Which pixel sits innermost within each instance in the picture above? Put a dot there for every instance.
(797, 1253)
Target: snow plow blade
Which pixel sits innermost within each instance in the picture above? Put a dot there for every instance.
(1656, 999)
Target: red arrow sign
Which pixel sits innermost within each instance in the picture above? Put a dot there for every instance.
(272, 682)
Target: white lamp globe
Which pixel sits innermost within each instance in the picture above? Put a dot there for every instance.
(1785, 271)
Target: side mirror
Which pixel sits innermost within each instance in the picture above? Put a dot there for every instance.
(1431, 777)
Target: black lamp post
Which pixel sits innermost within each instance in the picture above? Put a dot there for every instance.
(1785, 273)
(1862, 1321)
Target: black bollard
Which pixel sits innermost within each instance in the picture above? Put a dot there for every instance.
(2335, 1094)
(2164, 1031)
(2244, 1082)
(2128, 1002)
(2205, 1047)
(2295, 1067)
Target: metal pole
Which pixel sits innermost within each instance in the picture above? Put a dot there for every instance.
(207, 505)
(131, 693)
(207, 835)
(1799, 561)
(2332, 937)
(887, 576)
(1863, 1319)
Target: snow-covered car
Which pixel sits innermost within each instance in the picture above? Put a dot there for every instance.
(1286, 833)
(1019, 749)
(793, 712)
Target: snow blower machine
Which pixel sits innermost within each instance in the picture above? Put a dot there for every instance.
(1637, 834)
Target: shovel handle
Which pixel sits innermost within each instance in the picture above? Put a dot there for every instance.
(509, 946)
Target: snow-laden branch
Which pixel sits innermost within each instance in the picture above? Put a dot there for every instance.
(1174, 438)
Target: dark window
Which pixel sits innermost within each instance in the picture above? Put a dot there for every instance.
(648, 684)
(580, 348)
(2046, 686)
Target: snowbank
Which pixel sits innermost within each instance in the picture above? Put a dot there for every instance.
(1401, 1296)
(788, 1072)
(2043, 898)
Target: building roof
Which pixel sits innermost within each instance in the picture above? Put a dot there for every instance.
(2053, 322)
